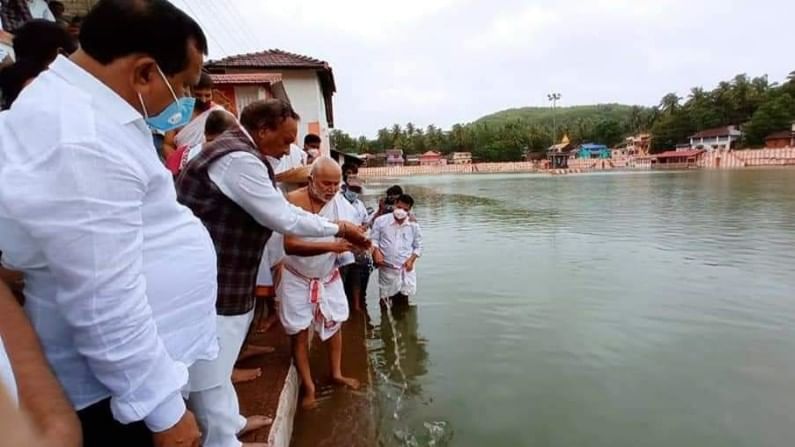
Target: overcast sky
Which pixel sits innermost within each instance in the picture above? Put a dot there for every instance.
(450, 61)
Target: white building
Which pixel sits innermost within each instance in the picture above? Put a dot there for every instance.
(308, 83)
(714, 139)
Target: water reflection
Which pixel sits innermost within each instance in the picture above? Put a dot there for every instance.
(404, 349)
(399, 358)
(605, 309)
(649, 309)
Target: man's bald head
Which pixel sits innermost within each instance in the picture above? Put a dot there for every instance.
(325, 166)
(324, 179)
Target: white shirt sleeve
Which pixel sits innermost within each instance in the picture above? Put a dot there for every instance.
(244, 179)
(375, 232)
(90, 231)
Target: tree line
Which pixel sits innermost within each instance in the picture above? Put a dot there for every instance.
(757, 105)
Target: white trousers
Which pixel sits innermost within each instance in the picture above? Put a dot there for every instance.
(213, 400)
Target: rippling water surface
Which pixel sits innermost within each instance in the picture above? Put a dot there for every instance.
(649, 309)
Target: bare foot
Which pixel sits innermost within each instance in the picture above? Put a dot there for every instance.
(347, 381)
(255, 423)
(309, 402)
(253, 351)
(245, 375)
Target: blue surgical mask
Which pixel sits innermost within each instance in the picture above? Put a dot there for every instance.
(176, 115)
(350, 195)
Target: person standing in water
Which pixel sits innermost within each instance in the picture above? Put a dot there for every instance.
(398, 244)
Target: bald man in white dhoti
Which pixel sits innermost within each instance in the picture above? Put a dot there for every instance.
(309, 284)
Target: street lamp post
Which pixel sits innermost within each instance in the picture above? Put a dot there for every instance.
(554, 98)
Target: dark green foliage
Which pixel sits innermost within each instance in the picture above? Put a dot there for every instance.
(758, 106)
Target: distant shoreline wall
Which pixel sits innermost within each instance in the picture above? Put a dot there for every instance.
(732, 159)
(475, 168)
(747, 158)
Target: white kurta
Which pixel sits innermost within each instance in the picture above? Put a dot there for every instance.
(398, 242)
(310, 288)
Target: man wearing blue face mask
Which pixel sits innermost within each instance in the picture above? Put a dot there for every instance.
(120, 280)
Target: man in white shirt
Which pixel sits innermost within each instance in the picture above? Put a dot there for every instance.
(119, 278)
(398, 245)
(231, 187)
(25, 377)
(290, 172)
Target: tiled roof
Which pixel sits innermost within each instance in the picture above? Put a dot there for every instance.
(277, 60)
(779, 135)
(716, 132)
(245, 78)
(676, 154)
(270, 59)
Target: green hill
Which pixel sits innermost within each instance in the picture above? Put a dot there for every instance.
(543, 116)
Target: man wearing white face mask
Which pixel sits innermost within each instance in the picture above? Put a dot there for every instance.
(120, 280)
(398, 245)
(312, 144)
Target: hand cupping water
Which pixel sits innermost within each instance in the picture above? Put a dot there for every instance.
(355, 234)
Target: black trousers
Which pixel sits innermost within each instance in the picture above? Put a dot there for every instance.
(101, 430)
(356, 276)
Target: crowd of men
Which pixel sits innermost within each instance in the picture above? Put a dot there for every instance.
(140, 224)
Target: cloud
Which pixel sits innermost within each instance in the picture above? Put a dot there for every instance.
(510, 29)
(448, 61)
(365, 19)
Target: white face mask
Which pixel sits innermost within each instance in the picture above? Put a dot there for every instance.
(400, 213)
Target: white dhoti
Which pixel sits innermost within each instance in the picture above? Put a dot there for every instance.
(310, 287)
(315, 302)
(393, 281)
